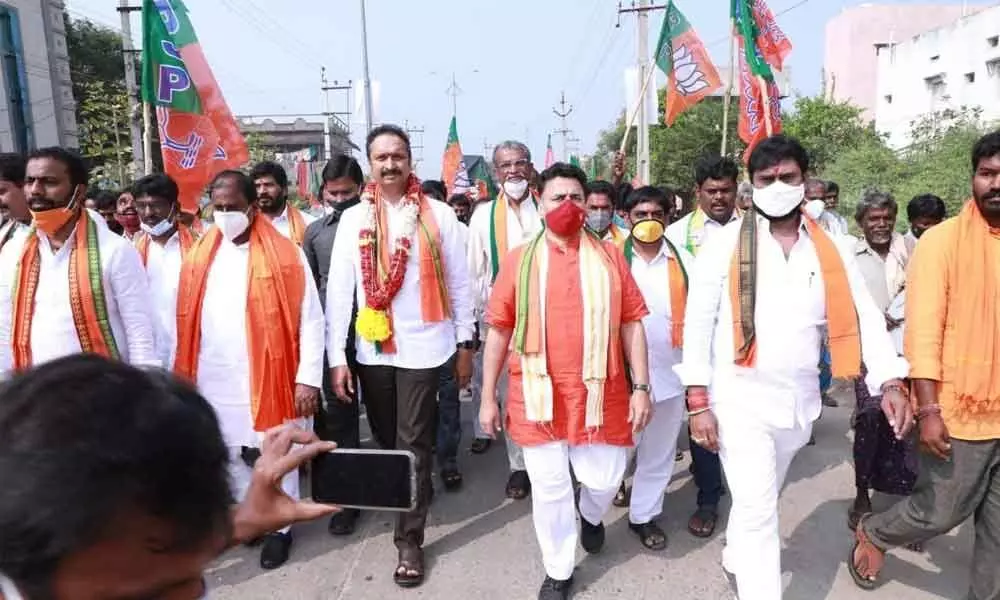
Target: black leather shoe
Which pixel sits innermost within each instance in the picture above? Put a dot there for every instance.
(554, 589)
(275, 552)
(344, 522)
(591, 536)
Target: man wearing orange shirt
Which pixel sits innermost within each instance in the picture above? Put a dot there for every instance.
(570, 401)
(952, 342)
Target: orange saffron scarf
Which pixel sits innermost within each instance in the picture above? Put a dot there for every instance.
(841, 316)
(678, 282)
(86, 294)
(185, 235)
(274, 304)
(975, 291)
(296, 224)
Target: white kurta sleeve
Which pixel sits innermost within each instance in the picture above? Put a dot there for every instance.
(877, 349)
(8, 259)
(478, 261)
(312, 333)
(457, 275)
(130, 290)
(706, 280)
(340, 286)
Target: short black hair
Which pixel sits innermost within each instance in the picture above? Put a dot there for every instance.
(343, 165)
(83, 440)
(157, 185)
(605, 188)
(926, 206)
(775, 149)
(564, 170)
(75, 164)
(106, 200)
(242, 181)
(624, 190)
(434, 188)
(12, 167)
(390, 129)
(459, 199)
(814, 182)
(832, 188)
(649, 193)
(272, 169)
(987, 146)
(713, 166)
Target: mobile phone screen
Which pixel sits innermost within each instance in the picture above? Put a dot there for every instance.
(373, 479)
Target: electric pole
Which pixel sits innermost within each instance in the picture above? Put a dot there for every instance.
(564, 131)
(641, 8)
(454, 91)
(326, 88)
(128, 55)
(416, 142)
(364, 61)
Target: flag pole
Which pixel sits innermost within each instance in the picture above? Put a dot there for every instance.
(766, 96)
(729, 89)
(147, 137)
(635, 112)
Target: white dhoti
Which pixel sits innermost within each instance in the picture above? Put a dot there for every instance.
(755, 455)
(598, 468)
(515, 455)
(655, 454)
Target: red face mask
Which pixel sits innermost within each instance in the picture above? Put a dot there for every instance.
(566, 220)
(129, 221)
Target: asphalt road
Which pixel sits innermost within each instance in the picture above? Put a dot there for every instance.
(481, 546)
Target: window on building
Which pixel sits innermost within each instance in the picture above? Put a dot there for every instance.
(937, 90)
(888, 98)
(993, 67)
(970, 77)
(15, 80)
(935, 58)
(993, 41)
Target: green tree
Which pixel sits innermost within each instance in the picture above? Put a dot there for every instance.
(827, 129)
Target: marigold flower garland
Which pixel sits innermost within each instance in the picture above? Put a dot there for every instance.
(380, 288)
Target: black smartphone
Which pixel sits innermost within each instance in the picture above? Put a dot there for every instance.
(366, 479)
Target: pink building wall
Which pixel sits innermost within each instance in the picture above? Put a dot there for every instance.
(850, 64)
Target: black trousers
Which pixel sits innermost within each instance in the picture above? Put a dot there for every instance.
(402, 412)
(336, 420)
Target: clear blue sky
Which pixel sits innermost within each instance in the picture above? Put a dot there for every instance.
(512, 59)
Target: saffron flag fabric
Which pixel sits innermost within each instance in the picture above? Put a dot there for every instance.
(453, 172)
(198, 135)
(682, 56)
(763, 49)
(550, 157)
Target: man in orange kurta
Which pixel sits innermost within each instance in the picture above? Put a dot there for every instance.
(952, 341)
(567, 307)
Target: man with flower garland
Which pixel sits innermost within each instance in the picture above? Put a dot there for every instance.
(401, 256)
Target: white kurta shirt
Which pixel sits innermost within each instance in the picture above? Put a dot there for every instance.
(15, 229)
(282, 225)
(419, 345)
(523, 224)
(679, 231)
(53, 333)
(653, 279)
(223, 359)
(163, 271)
(833, 222)
(790, 315)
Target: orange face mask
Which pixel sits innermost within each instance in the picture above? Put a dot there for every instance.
(52, 220)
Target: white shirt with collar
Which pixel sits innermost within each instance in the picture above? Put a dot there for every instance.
(163, 271)
(523, 224)
(834, 223)
(53, 332)
(885, 277)
(419, 344)
(789, 320)
(14, 229)
(679, 231)
(223, 362)
(282, 225)
(653, 278)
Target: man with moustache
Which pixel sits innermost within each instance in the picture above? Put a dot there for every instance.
(72, 285)
(602, 203)
(761, 293)
(923, 212)
(105, 203)
(832, 199)
(816, 207)
(399, 258)
(15, 218)
(126, 214)
(338, 417)
(271, 182)
(495, 229)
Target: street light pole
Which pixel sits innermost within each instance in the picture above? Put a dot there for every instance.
(364, 60)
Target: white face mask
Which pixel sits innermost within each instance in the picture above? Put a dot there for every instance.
(515, 189)
(814, 208)
(232, 224)
(160, 228)
(778, 199)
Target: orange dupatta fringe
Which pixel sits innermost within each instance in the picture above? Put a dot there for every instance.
(434, 303)
(86, 295)
(841, 315)
(274, 304)
(187, 239)
(678, 301)
(296, 224)
(977, 385)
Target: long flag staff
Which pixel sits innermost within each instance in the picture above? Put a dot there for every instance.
(635, 111)
(147, 137)
(766, 97)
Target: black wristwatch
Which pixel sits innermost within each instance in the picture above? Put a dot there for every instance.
(641, 387)
(467, 345)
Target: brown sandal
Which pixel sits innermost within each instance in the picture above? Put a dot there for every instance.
(703, 521)
(624, 496)
(410, 569)
(865, 556)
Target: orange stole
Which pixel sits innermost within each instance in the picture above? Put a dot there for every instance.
(841, 315)
(296, 224)
(434, 304)
(186, 238)
(86, 295)
(274, 304)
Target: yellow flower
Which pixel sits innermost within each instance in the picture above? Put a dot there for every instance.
(373, 325)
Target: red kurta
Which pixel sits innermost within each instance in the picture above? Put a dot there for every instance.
(564, 350)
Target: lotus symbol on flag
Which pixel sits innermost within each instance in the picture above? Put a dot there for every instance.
(690, 79)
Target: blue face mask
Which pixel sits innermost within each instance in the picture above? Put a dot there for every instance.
(619, 221)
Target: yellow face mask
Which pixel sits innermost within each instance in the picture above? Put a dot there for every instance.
(648, 231)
